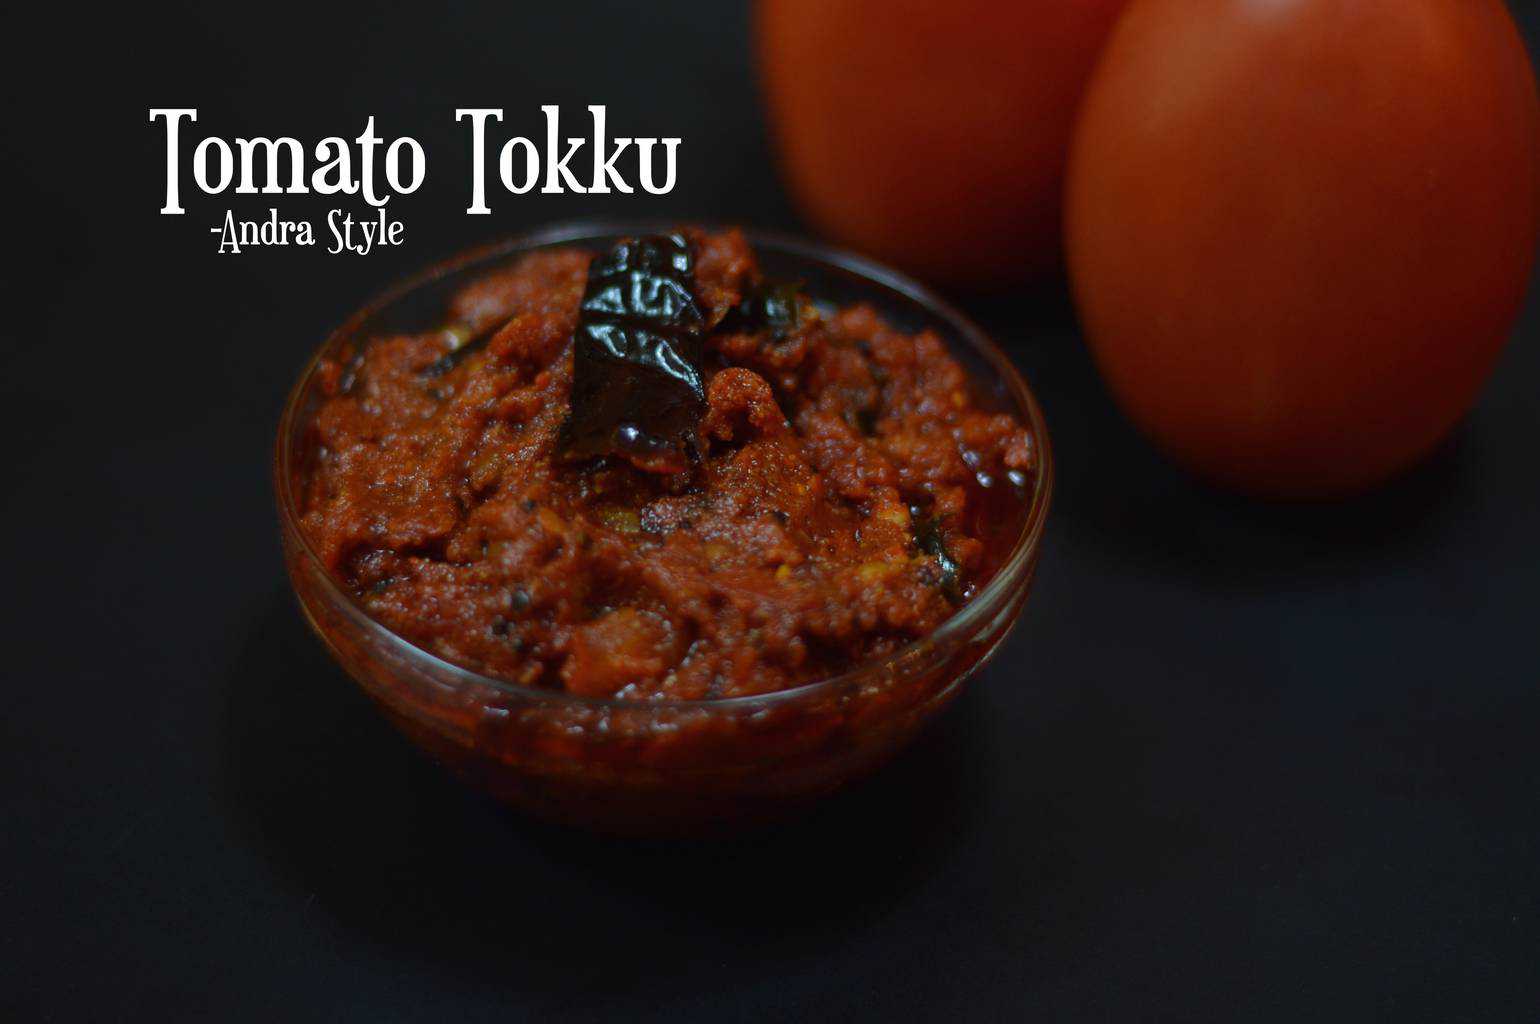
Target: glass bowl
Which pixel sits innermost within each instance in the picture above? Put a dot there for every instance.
(653, 767)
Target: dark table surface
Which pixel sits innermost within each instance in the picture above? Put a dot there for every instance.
(1238, 761)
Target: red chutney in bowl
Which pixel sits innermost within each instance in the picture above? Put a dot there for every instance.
(666, 534)
(840, 496)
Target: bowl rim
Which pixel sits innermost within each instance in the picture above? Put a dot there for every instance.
(1013, 571)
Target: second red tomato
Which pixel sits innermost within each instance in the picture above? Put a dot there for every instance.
(931, 134)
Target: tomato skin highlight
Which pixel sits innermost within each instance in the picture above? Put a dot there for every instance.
(1299, 231)
(931, 133)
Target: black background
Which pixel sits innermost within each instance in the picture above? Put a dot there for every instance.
(1238, 762)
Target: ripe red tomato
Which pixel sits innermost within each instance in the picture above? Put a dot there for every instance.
(931, 133)
(1299, 230)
